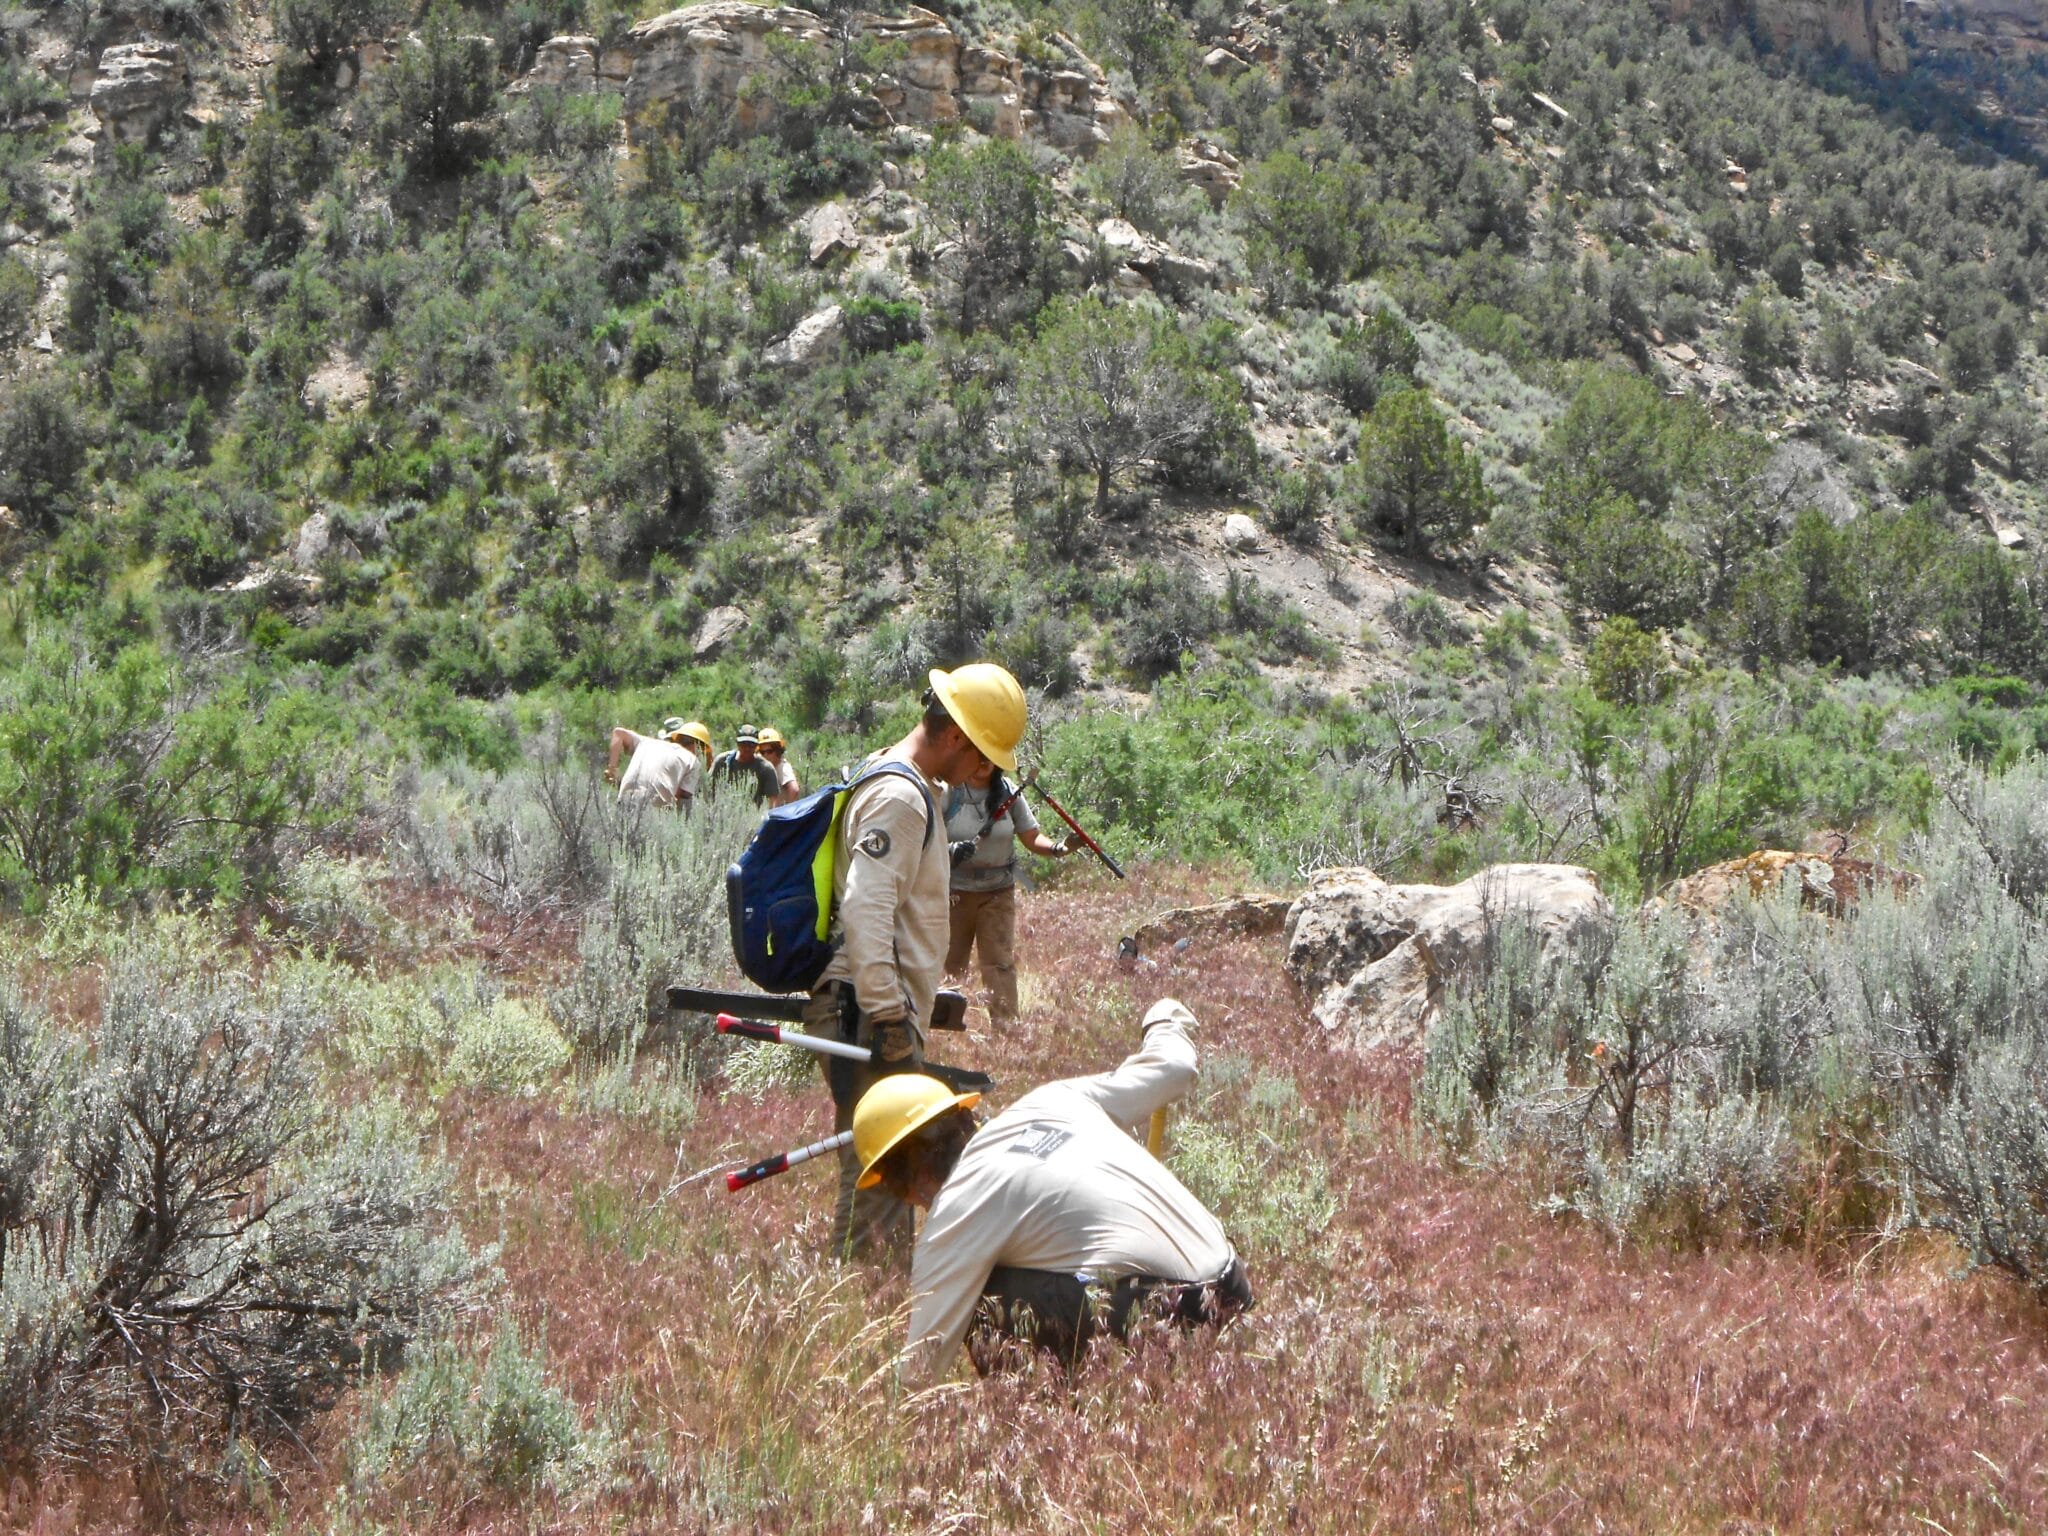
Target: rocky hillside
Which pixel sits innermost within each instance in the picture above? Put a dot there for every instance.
(456, 365)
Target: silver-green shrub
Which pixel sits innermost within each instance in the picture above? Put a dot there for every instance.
(1683, 1077)
(1271, 1192)
(1974, 1163)
(2007, 816)
(1931, 975)
(199, 1244)
(658, 918)
(497, 1423)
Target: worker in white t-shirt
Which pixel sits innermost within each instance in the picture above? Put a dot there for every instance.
(1052, 1222)
(665, 770)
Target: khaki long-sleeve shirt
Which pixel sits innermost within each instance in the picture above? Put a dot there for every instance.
(1060, 1181)
(891, 887)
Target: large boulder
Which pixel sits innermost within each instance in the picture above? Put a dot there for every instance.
(720, 628)
(1373, 958)
(804, 345)
(137, 89)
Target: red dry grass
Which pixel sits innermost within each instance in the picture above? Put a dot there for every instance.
(1448, 1359)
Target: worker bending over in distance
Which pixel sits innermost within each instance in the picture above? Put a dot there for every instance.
(665, 770)
(1052, 1222)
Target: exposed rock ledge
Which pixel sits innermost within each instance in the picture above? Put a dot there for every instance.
(1869, 30)
(697, 58)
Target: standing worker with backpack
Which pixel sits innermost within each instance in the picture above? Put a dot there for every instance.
(891, 884)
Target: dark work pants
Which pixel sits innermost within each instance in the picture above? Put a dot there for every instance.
(866, 1223)
(1060, 1313)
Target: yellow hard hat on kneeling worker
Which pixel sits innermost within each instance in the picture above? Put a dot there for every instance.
(892, 1110)
(987, 703)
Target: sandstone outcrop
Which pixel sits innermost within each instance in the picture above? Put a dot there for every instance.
(1241, 917)
(699, 58)
(137, 89)
(1828, 883)
(2002, 28)
(1870, 30)
(1374, 958)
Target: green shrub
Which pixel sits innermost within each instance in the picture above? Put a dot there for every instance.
(129, 773)
(498, 1425)
(44, 442)
(1163, 614)
(1372, 357)
(877, 324)
(432, 104)
(1625, 664)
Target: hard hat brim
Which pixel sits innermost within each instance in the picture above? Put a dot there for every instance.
(869, 1178)
(942, 685)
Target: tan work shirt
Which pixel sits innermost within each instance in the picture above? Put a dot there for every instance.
(659, 771)
(891, 887)
(1061, 1181)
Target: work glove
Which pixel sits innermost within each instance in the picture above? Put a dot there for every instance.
(961, 851)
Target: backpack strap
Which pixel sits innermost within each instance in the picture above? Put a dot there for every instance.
(897, 770)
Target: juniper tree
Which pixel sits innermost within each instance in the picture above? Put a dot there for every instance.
(1111, 387)
(1414, 478)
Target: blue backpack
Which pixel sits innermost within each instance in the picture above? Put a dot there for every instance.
(778, 893)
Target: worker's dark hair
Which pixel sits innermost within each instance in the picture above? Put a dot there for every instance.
(937, 1144)
(935, 716)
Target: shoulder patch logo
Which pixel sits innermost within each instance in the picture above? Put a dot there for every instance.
(875, 845)
(1043, 1142)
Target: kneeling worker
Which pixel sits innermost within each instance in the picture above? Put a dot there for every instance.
(1052, 1222)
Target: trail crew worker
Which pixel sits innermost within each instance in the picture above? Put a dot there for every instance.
(984, 905)
(891, 880)
(665, 770)
(774, 748)
(748, 767)
(1052, 1222)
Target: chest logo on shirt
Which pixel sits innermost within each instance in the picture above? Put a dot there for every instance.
(875, 845)
(1047, 1140)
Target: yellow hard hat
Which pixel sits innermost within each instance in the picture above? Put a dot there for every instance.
(892, 1109)
(697, 731)
(771, 737)
(988, 704)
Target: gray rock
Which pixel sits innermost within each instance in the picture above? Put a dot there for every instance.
(720, 627)
(137, 89)
(1374, 958)
(1240, 533)
(830, 229)
(813, 334)
(314, 540)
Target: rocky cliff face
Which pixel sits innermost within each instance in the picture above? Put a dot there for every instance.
(698, 58)
(1870, 30)
(1992, 27)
